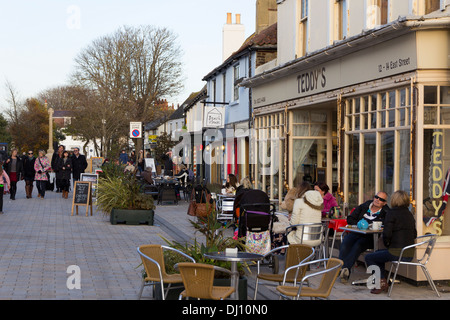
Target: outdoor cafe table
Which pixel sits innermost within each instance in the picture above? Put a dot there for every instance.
(234, 258)
(376, 235)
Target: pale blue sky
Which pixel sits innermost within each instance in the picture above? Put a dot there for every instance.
(39, 39)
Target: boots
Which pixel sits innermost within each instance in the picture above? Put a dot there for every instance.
(27, 191)
(384, 286)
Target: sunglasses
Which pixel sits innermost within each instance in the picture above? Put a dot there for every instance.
(30, 152)
(379, 198)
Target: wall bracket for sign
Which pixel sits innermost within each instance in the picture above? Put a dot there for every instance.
(82, 196)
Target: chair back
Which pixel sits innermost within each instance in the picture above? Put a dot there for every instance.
(296, 253)
(308, 233)
(430, 241)
(197, 279)
(332, 269)
(153, 260)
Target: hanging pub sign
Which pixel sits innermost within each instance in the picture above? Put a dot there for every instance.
(214, 117)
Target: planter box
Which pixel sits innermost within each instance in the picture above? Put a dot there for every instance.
(174, 294)
(133, 217)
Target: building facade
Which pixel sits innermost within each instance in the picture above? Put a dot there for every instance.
(359, 100)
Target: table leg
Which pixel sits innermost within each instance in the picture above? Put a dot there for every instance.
(234, 280)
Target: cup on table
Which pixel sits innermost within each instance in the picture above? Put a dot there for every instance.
(376, 225)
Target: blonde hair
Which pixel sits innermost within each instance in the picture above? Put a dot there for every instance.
(246, 183)
(399, 199)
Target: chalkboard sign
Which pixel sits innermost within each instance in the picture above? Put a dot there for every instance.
(82, 196)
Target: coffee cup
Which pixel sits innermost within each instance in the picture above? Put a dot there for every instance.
(376, 225)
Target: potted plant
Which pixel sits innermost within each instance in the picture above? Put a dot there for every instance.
(120, 195)
(215, 240)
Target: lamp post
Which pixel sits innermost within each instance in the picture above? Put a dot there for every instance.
(50, 132)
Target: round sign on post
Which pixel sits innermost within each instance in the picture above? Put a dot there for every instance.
(136, 133)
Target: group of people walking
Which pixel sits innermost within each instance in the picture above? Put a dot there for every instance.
(30, 168)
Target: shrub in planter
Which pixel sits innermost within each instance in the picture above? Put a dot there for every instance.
(122, 191)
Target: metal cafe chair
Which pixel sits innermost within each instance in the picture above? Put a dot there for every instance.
(311, 234)
(429, 240)
(152, 256)
(322, 290)
(198, 281)
(296, 254)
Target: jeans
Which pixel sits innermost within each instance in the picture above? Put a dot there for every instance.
(41, 185)
(380, 257)
(352, 246)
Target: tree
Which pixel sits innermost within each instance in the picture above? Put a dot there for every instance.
(30, 132)
(5, 136)
(128, 71)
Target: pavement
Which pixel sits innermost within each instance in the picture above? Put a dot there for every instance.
(40, 242)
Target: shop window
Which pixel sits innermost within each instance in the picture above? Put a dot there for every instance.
(381, 148)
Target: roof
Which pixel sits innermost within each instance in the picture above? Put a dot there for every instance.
(62, 114)
(198, 96)
(265, 39)
(177, 114)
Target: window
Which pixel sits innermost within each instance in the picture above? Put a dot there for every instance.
(224, 87)
(214, 89)
(432, 5)
(236, 85)
(342, 19)
(378, 139)
(303, 29)
(383, 6)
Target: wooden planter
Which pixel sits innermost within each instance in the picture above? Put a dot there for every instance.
(132, 217)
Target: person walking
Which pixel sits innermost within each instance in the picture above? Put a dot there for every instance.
(64, 171)
(29, 173)
(4, 185)
(14, 168)
(79, 164)
(56, 156)
(41, 166)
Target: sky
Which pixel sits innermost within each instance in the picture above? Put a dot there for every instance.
(39, 39)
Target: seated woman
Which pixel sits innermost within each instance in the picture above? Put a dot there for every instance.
(328, 200)
(231, 185)
(299, 189)
(399, 231)
(307, 209)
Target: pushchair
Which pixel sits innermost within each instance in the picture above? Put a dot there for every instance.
(255, 224)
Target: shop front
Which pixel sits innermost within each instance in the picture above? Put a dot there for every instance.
(363, 117)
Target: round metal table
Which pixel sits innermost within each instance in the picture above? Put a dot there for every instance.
(234, 258)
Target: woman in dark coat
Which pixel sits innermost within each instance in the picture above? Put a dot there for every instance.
(64, 167)
(399, 231)
(29, 173)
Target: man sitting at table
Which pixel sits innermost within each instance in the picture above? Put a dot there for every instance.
(355, 243)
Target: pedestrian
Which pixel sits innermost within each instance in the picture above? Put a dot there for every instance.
(14, 168)
(141, 162)
(4, 186)
(41, 167)
(29, 173)
(56, 156)
(64, 166)
(79, 164)
(123, 157)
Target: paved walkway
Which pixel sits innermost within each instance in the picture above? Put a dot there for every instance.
(39, 240)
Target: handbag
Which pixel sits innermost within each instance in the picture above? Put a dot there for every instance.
(258, 242)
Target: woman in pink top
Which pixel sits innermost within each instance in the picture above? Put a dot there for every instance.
(5, 183)
(328, 200)
(41, 166)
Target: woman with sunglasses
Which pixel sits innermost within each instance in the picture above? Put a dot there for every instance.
(29, 173)
(355, 243)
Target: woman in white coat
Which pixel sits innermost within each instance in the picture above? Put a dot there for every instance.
(307, 209)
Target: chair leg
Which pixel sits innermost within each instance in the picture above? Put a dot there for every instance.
(256, 288)
(430, 280)
(393, 278)
(141, 290)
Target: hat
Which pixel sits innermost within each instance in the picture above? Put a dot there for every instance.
(314, 199)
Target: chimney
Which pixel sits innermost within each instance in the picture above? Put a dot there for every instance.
(229, 18)
(233, 36)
